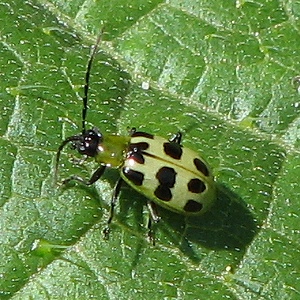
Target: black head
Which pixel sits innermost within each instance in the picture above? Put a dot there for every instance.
(85, 143)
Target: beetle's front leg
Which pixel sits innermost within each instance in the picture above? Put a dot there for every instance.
(96, 175)
(113, 202)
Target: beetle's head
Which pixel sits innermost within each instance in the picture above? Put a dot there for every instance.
(85, 143)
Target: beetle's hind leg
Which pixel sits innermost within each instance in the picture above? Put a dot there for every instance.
(153, 218)
(176, 138)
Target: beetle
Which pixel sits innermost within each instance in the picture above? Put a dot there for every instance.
(166, 173)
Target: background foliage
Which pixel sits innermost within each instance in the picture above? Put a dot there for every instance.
(222, 72)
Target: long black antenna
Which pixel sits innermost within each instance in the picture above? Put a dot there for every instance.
(87, 81)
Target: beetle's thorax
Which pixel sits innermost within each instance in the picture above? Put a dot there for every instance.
(112, 150)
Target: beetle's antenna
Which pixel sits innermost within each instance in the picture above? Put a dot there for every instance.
(62, 145)
(87, 80)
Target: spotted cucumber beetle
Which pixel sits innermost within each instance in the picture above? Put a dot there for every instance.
(162, 170)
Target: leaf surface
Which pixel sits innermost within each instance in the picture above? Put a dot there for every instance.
(224, 73)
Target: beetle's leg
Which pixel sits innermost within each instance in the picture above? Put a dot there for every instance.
(132, 131)
(154, 217)
(96, 175)
(176, 138)
(113, 202)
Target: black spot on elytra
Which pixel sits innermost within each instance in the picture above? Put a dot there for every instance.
(201, 167)
(173, 150)
(192, 206)
(136, 151)
(135, 177)
(135, 147)
(143, 134)
(138, 157)
(166, 177)
(196, 186)
(163, 193)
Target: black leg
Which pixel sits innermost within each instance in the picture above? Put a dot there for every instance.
(154, 217)
(176, 138)
(151, 233)
(132, 131)
(113, 202)
(96, 175)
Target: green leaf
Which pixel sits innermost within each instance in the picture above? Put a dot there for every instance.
(224, 73)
